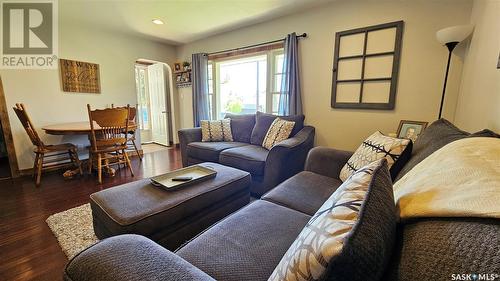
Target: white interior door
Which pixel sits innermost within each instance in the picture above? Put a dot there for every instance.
(158, 104)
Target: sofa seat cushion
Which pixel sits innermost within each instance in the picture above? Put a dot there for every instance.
(291, 193)
(246, 245)
(250, 158)
(209, 151)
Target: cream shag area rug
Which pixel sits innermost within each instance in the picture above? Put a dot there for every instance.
(73, 229)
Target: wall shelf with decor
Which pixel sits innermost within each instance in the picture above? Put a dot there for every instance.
(182, 74)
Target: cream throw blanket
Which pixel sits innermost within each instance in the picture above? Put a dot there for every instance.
(462, 179)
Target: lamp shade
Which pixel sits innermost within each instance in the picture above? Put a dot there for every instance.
(455, 33)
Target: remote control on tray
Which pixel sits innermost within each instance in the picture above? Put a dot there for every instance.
(182, 178)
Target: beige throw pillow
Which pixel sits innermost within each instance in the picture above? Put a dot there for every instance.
(280, 130)
(375, 147)
(217, 130)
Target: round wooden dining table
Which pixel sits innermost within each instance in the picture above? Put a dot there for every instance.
(78, 128)
(75, 128)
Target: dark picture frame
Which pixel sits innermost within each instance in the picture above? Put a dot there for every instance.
(409, 129)
(396, 53)
(177, 67)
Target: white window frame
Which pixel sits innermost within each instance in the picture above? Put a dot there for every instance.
(270, 79)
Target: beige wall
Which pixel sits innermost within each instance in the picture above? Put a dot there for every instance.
(421, 73)
(41, 92)
(479, 101)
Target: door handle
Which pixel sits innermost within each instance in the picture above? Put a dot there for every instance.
(164, 112)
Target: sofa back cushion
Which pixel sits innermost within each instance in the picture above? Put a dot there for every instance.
(241, 126)
(263, 121)
(351, 235)
(437, 135)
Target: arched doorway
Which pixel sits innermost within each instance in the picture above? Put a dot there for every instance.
(155, 102)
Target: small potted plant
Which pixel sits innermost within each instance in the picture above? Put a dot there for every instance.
(186, 65)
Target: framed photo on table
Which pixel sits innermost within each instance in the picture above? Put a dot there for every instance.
(409, 129)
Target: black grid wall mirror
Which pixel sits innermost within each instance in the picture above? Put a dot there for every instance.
(366, 66)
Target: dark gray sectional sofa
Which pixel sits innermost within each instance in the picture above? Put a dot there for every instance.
(248, 244)
(267, 167)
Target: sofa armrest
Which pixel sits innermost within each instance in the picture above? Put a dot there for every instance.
(187, 136)
(327, 161)
(130, 257)
(287, 157)
(307, 133)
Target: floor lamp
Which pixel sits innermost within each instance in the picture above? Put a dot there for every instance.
(450, 37)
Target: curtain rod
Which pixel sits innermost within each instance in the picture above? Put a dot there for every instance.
(303, 35)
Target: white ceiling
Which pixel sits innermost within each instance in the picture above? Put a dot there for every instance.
(185, 20)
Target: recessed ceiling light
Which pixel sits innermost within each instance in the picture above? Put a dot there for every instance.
(157, 21)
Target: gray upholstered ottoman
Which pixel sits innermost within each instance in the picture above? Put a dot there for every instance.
(169, 217)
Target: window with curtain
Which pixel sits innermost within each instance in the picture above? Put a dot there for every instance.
(245, 84)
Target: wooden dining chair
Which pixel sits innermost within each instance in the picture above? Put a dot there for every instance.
(132, 116)
(47, 156)
(107, 139)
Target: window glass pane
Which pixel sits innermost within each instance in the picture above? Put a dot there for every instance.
(380, 41)
(277, 82)
(240, 86)
(210, 79)
(351, 45)
(210, 106)
(276, 100)
(143, 101)
(348, 92)
(279, 63)
(210, 87)
(262, 86)
(378, 67)
(278, 75)
(376, 91)
(349, 69)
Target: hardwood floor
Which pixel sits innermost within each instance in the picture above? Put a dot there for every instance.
(28, 249)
